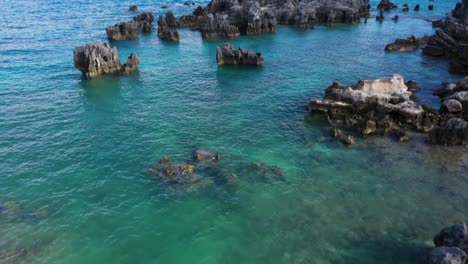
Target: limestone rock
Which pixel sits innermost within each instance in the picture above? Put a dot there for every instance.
(123, 31)
(228, 55)
(409, 44)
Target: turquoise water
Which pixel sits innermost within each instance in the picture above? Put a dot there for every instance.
(74, 153)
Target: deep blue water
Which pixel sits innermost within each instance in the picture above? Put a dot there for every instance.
(74, 153)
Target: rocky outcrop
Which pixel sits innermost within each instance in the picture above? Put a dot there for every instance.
(230, 18)
(165, 32)
(133, 8)
(96, 59)
(452, 128)
(409, 44)
(446, 255)
(228, 55)
(451, 41)
(379, 106)
(145, 21)
(386, 5)
(123, 31)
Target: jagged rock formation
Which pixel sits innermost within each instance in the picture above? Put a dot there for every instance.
(96, 59)
(123, 31)
(452, 128)
(230, 18)
(409, 44)
(379, 106)
(452, 40)
(145, 21)
(165, 32)
(228, 55)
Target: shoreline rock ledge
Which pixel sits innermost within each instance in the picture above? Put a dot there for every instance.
(94, 59)
(380, 106)
(228, 55)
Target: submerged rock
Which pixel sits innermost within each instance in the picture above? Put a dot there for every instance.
(181, 174)
(446, 255)
(123, 31)
(228, 55)
(165, 32)
(375, 106)
(12, 255)
(268, 172)
(94, 59)
(409, 44)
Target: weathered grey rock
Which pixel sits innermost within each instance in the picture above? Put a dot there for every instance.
(375, 106)
(96, 59)
(230, 18)
(452, 40)
(452, 106)
(145, 21)
(123, 31)
(409, 44)
(453, 236)
(446, 255)
(228, 55)
(165, 32)
(132, 64)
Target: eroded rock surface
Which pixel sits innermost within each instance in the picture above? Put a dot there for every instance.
(94, 59)
(123, 31)
(228, 55)
(409, 44)
(166, 32)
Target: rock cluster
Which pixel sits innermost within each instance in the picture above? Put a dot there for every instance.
(452, 128)
(166, 30)
(145, 21)
(231, 18)
(94, 59)
(385, 106)
(451, 41)
(379, 106)
(228, 55)
(409, 44)
(123, 31)
(451, 246)
(129, 30)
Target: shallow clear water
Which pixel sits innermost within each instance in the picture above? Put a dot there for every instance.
(74, 153)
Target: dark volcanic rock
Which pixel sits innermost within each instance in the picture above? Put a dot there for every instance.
(96, 59)
(228, 55)
(123, 31)
(446, 255)
(409, 44)
(230, 18)
(165, 32)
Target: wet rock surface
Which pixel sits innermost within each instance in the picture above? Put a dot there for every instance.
(145, 21)
(231, 18)
(386, 5)
(446, 255)
(375, 106)
(404, 45)
(165, 31)
(228, 55)
(451, 41)
(123, 31)
(94, 59)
